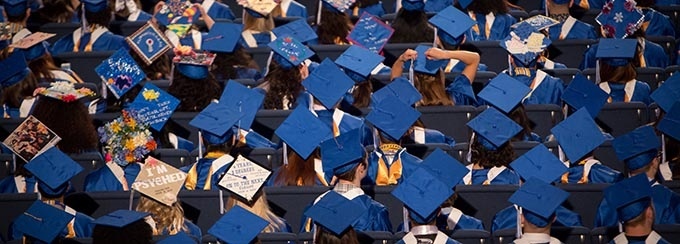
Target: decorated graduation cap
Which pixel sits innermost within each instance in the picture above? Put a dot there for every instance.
(303, 131)
(638, 147)
(494, 128)
(64, 91)
(238, 226)
(328, 83)
(223, 37)
(289, 52)
(504, 92)
(422, 193)
(358, 62)
(616, 52)
(42, 221)
(578, 135)
(245, 178)
(149, 43)
(154, 105)
(193, 64)
(539, 22)
(392, 116)
(247, 101)
(413, 5)
(525, 44)
(538, 200)
(15, 7)
(120, 72)
(120, 218)
(539, 163)
(444, 167)
(401, 88)
(34, 45)
(341, 154)
(215, 122)
(54, 170)
(668, 93)
(299, 29)
(425, 65)
(159, 181)
(260, 8)
(630, 197)
(670, 124)
(620, 18)
(15, 69)
(337, 5)
(452, 24)
(95, 6)
(335, 212)
(177, 12)
(583, 93)
(370, 32)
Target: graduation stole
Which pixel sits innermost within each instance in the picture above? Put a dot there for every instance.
(488, 21)
(389, 176)
(587, 164)
(628, 90)
(94, 31)
(119, 173)
(192, 175)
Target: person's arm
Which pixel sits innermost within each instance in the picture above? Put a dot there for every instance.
(398, 66)
(470, 59)
(209, 22)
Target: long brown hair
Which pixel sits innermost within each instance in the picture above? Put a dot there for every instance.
(283, 83)
(334, 27)
(433, 90)
(42, 67)
(71, 121)
(13, 95)
(57, 11)
(296, 170)
(411, 27)
(194, 95)
(260, 208)
(362, 94)
(617, 74)
(265, 24)
(519, 115)
(159, 69)
(323, 236)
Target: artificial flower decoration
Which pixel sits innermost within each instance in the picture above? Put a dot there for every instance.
(620, 18)
(150, 94)
(186, 55)
(64, 91)
(126, 140)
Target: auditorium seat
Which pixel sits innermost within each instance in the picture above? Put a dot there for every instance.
(584, 199)
(483, 201)
(471, 236)
(670, 70)
(567, 235)
(290, 202)
(423, 150)
(266, 157)
(90, 161)
(673, 185)
(181, 120)
(566, 75)
(543, 117)
(6, 164)
(365, 237)
(84, 63)
(521, 147)
(260, 56)
(60, 29)
(571, 51)
(670, 232)
(125, 28)
(493, 55)
(202, 207)
(666, 42)
(653, 76)
(620, 118)
(383, 195)
(12, 206)
(328, 51)
(267, 120)
(7, 125)
(605, 153)
(519, 15)
(673, 12)
(450, 120)
(589, 17)
(250, 83)
(279, 21)
(174, 157)
(460, 151)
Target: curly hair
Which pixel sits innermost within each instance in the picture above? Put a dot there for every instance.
(157, 70)
(489, 6)
(362, 94)
(101, 18)
(283, 83)
(486, 158)
(225, 65)
(194, 95)
(260, 208)
(334, 27)
(170, 218)
(411, 27)
(57, 11)
(297, 169)
(433, 90)
(77, 132)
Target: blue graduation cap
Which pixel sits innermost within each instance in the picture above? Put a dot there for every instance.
(154, 106)
(358, 62)
(620, 18)
(464, 3)
(616, 52)
(42, 221)
(217, 120)
(245, 100)
(342, 153)
(194, 64)
(15, 69)
(120, 218)
(425, 65)
(401, 88)
(289, 52)
(638, 147)
(38, 49)
(504, 92)
(494, 126)
(630, 197)
(328, 83)
(539, 22)
(149, 43)
(370, 32)
(453, 22)
(578, 135)
(422, 193)
(179, 238)
(583, 93)
(445, 168)
(392, 116)
(670, 124)
(238, 226)
(95, 6)
(335, 212)
(413, 5)
(539, 163)
(299, 29)
(668, 93)
(15, 7)
(223, 37)
(525, 44)
(120, 72)
(338, 5)
(538, 200)
(54, 170)
(303, 131)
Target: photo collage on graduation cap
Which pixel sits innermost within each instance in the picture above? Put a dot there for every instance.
(30, 139)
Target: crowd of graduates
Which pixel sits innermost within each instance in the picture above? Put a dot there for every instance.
(323, 141)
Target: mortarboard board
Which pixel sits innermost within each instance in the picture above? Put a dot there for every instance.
(338, 5)
(370, 32)
(638, 147)
(245, 178)
(42, 221)
(335, 212)
(54, 170)
(15, 69)
(95, 6)
(260, 8)
(578, 135)
(494, 126)
(525, 44)
(179, 238)
(670, 124)
(392, 116)
(413, 5)
(504, 92)
(422, 193)
(216, 119)
(159, 181)
(426, 65)
(358, 62)
(464, 3)
(299, 29)
(328, 83)
(341, 154)
(64, 91)
(15, 7)
(238, 226)
(538, 200)
(148, 43)
(154, 106)
(193, 64)
(177, 12)
(401, 88)
(616, 52)
(668, 93)
(619, 18)
(289, 52)
(247, 101)
(583, 93)
(223, 37)
(444, 167)
(539, 163)
(539, 22)
(34, 45)
(120, 72)
(120, 218)
(630, 197)
(303, 131)
(453, 22)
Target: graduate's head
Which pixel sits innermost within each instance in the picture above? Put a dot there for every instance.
(286, 71)
(97, 12)
(433, 89)
(17, 80)
(192, 82)
(54, 171)
(489, 6)
(166, 217)
(617, 60)
(538, 201)
(333, 215)
(620, 19)
(525, 44)
(639, 149)
(17, 11)
(491, 145)
(334, 25)
(159, 69)
(256, 21)
(122, 226)
(411, 26)
(345, 156)
(359, 64)
(632, 200)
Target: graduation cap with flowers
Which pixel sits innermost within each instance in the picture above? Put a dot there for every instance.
(192, 64)
(620, 18)
(127, 140)
(64, 91)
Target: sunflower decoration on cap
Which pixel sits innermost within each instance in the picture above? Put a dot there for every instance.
(64, 91)
(127, 141)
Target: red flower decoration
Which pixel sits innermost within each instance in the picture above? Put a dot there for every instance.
(609, 30)
(68, 98)
(607, 7)
(629, 5)
(287, 39)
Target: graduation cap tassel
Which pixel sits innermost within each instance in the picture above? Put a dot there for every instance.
(318, 13)
(519, 222)
(269, 62)
(411, 73)
(407, 227)
(200, 144)
(434, 40)
(132, 195)
(597, 72)
(375, 138)
(285, 154)
(221, 202)
(468, 157)
(546, 8)
(512, 72)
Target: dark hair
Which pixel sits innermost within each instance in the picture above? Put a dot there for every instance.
(225, 65)
(194, 95)
(620, 74)
(362, 94)
(282, 83)
(489, 6)
(433, 89)
(18, 18)
(297, 169)
(351, 174)
(71, 121)
(333, 27)
(323, 236)
(411, 27)
(57, 11)
(486, 158)
(157, 70)
(138, 232)
(519, 115)
(13, 95)
(101, 18)
(364, 3)
(42, 68)
(224, 147)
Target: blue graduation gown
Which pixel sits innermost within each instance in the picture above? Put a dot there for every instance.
(220, 11)
(143, 16)
(296, 9)
(621, 238)
(187, 40)
(499, 30)
(103, 179)
(642, 92)
(191, 229)
(666, 208)
(106, 42)
(658, 24)
(203, 173)
(666, 2)
(466, 222)
(82, 226)
(375, 218)
(548, 92)
(461, 91)
(347, 123)
(436, 6)
(432, 136)
(460, 66)
(654, 55)
(262, 39)
(8, 186)
(598, 174)
(506, 177)
(409, 163)
(507, 218)
(580, 30)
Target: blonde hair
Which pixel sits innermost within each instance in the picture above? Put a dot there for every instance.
(433, 90)
(265, 24)
(260, 208)
(170, 218)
